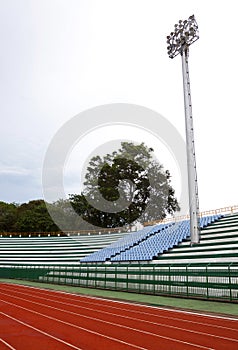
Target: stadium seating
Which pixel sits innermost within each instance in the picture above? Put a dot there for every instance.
(218, 244)
(125, 244)
(148, 243)
(156, 244)
(52, 250)
(164, 244)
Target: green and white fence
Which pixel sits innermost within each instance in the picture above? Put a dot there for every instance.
(203, 281)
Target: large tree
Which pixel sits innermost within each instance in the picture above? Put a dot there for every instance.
(129, 185)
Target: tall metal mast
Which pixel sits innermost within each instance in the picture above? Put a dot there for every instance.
(186, 33)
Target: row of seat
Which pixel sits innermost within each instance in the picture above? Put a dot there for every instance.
(141, 245)
(148, 243)
(125, 243)
(207, 220)
(157, 244)
(53, 250)
(218, 244)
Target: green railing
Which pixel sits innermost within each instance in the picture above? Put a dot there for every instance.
(203, 281)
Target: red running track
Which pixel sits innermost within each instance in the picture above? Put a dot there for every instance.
(33, 318)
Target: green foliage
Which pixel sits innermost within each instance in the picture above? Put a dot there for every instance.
(27, 217)
(34, 217)
(8, 216)
(123, 187)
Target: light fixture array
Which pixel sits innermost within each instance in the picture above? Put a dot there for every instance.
(185, 33)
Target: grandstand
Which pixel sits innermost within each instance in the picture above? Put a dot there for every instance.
(53, 250)
(219, 244)
(127, 243)
(170, 244)
(166, 243)
(158, 259)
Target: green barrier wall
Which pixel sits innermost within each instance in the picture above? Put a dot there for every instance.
(203, 281)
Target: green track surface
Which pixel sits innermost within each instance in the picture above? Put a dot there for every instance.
(230, 309)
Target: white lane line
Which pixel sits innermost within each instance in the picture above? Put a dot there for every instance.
(111, 323)
(7, 344)
(149, 306)
(131, 311)
(42, 332)
(195, 313)
(68, 324)
(126, 317)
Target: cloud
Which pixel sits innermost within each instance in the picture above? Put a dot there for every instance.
(14, 171)
(19, 184)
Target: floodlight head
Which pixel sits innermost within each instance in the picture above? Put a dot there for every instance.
(186, 33)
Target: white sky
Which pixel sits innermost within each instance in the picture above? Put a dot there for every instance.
(60, 57)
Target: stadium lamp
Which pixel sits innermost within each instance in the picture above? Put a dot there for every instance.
(186, 33)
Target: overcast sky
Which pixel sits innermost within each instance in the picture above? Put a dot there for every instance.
(60, 57)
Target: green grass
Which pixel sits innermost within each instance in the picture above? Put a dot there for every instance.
(182, 303)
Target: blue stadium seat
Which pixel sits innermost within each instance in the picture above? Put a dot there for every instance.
(148, 242)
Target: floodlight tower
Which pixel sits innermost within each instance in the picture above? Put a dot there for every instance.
(186, 33)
